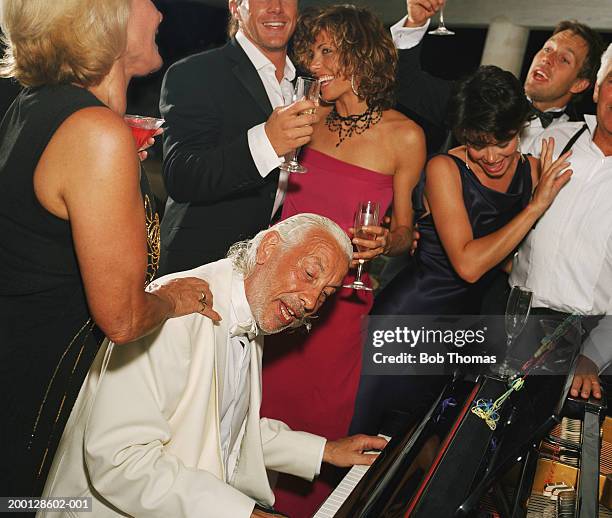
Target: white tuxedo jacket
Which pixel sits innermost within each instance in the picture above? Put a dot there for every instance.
(144, 440)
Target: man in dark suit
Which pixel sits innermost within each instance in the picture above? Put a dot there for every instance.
(227, 131)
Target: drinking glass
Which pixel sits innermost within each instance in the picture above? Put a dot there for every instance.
(517, 313)
(305, 88)
(366, 215)
(441, 30)
(142, 128)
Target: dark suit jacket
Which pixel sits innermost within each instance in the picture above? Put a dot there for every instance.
(216, 195)
(423, 97)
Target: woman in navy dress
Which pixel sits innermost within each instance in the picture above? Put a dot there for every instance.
(474, 205)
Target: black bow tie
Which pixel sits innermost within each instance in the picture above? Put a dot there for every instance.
(546, 118)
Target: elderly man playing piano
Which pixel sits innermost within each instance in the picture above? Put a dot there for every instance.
(169, 425)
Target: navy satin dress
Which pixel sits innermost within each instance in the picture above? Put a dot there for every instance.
(430, 286)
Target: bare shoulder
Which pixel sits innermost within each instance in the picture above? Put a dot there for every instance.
(441, 166)
(401, 129)
(97, 137)
(99, 126)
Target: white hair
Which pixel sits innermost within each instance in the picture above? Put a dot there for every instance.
(606, 63)
(292, 231)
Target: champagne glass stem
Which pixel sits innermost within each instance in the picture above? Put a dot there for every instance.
(508, 344)
(359, 270)
(294, 155)
(441, 22)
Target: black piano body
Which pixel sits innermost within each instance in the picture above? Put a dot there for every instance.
(446, 465)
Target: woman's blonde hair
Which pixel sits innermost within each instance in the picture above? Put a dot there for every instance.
(365, 49)
(62, 41)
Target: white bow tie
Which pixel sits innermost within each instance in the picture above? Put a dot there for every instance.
(247, 328)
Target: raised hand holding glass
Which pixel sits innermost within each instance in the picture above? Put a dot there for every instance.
(305, 88)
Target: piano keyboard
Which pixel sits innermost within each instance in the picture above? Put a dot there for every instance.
(343, 490)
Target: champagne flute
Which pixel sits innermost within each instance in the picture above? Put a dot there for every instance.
(517, 313)
(305, 88)
(441, 29)
(366, 215)
(142, 128)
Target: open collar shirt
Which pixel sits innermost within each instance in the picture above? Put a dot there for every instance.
(279, 94)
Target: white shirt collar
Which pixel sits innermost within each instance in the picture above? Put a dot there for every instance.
(562, 109)
(591, 122)
(258, 58)
(242, 320)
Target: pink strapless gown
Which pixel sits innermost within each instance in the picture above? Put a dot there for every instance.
(310, 380)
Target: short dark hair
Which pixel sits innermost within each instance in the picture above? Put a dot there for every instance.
(489, 105)
(594, 43)
(365, 49)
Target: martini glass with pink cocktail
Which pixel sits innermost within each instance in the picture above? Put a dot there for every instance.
(142, 128)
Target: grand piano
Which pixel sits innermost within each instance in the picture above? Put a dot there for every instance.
(541, 458)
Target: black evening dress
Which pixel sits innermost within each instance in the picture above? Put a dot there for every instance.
(430, 286)
(48, 339)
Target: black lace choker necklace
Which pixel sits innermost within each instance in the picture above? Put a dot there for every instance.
(352, 124)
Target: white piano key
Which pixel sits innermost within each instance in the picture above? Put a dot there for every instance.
(339, 495)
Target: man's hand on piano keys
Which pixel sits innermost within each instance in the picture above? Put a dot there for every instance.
(351, 450)
(586, 379)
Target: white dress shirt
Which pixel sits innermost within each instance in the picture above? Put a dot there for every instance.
(409, 37)
(236, 380)
(279, 94)
(566, 260)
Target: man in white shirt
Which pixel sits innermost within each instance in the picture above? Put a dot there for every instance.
(566, 260)
(563, 68)
(169, 425)
(227, 129)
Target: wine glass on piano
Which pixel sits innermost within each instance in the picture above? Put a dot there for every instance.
(142, 128)
(366, 215)
(441, 30)
(518, 308)
(305, 88)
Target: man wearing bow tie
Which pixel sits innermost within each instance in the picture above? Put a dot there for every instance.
(561, 70)
(566, 260)
(169, 425)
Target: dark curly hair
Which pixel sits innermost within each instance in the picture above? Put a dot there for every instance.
(365, 49)
(488, 105)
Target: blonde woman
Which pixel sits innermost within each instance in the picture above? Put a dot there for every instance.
(79, 237)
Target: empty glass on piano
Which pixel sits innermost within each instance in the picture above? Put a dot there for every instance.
(518, 308)
(441, 30)
(366, 215)
(305, 88)
(142, 128)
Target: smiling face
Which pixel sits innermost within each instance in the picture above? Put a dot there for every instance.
(268, 24)
(603, 98)
(291, 282)
(553, 79)
(142, 56)
(325, 66)
(495, 158)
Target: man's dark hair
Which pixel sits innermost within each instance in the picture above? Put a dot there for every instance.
(488, 107)
(594, 43)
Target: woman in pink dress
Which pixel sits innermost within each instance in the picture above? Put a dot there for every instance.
(360, 150)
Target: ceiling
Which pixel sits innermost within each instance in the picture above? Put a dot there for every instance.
(540, 14)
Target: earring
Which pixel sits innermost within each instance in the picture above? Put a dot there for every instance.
(353, 85)
(466, 159)
(518, 148)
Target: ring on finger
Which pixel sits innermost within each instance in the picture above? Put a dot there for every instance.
(202, 301)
